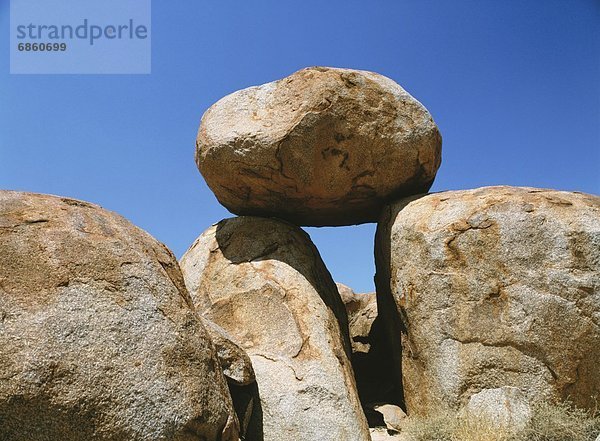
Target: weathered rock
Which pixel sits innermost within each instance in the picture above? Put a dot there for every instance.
(382, 434)
(237, 368)
(393, 416)
(373, 370)
(362, 312)
(235, 363)
(246, 403)
(98, 336)
(494, 287)
(323, 146)
(506, 407)
(263, 281)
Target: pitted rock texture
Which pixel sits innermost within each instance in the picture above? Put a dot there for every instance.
(494, 287)
(98, 336)
(506, 407)
(323, 146)
(264, 282)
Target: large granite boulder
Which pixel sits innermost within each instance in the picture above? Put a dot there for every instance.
(490, 288)
(263, 281)
(323, 146)
(99, 339)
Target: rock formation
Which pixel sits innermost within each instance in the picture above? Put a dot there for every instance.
(237, 368)
(381, 434)
(507, 407)
(263, 281)
(238, 371)
(323, 146)
(371, 362)
(494, 287)
(393, 416)
(98, 336)
(362, 312)
(487, 301)
(234, 361)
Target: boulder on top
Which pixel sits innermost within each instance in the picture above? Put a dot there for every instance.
(494, 287)
(99, 339)
(324, 146)
(263, 281)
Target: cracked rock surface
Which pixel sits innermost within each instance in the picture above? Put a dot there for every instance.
(234, 361)
(493, 287)
(237, 368)
(98, 336)
(362, 312)
(373, 369)
(263, 281)
(323, 146)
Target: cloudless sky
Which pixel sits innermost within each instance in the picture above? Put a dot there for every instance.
(513, 85)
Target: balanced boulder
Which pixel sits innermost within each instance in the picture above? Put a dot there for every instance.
(99, 339)
(263, 281)
(323, 146)
(492, 288)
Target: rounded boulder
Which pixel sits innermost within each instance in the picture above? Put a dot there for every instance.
(321, 147)
(98, 336)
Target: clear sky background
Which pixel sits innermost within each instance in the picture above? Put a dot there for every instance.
(513, 85)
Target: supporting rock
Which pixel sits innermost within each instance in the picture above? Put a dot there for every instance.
(263, 281)
(490, 288)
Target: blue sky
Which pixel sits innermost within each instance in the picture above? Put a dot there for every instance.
(513, 85)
